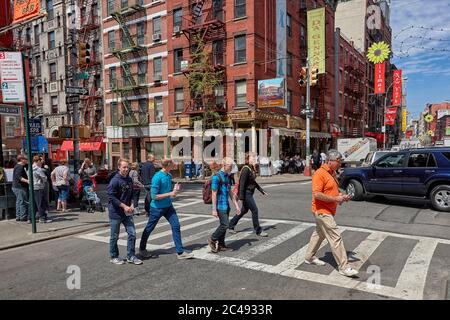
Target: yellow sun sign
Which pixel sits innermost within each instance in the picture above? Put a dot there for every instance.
(429, 118)
(430, 132)
(378, 52)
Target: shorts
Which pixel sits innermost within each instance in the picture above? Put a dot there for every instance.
(63, 193)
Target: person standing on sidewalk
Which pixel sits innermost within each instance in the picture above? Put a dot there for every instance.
(325, 198)
(20, 188)
(120, 207)
(60, 179)
(220, 186)
(247, 186)
(39, 184)
(148, 171)
(137, 185)
(161, 206)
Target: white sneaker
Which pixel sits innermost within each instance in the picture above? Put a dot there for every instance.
(117, 261)
(315, 261)
(348, 272)
(262, 234)
(185, 255)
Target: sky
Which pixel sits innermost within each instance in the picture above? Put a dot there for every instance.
(420, 31)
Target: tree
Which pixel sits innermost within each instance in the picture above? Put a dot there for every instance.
(203, 79)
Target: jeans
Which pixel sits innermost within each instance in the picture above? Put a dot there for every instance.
(21, 203)
(219, 234)
(41, 203)
(171, 215)
(63, 192)
(128, 223)
(249, 204)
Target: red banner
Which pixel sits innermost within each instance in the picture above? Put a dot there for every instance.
(408, 134)
(391, 114)
(397, 89)
(380, 77)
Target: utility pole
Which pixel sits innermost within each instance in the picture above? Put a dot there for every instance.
(308, 119)
(76, 139)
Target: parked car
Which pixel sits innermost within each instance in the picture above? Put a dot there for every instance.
(413, 173)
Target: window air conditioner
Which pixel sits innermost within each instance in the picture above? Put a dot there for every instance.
(156, 37)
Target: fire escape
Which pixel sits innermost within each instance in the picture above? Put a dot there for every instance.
(205, 24)
(91, 104)
(322, 88)
(127, 86)
(355, 90)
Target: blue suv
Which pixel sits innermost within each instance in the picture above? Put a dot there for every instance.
(417, 173)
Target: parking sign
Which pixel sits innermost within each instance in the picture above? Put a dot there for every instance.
(11, 76)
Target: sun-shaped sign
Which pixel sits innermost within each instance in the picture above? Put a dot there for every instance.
(378, 52)
(429, 118)
(430, 132)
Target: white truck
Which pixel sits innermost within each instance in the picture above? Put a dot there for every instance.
(355, 150)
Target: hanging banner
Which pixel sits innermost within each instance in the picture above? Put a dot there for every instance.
(403, 119)
(391, 114)
(281, 39)
(271, 93)
(397, 89)
(408, 134)
(380, 69)
(25, 9)
(316, 39)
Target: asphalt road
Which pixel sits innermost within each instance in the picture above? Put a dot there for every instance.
(402, 250)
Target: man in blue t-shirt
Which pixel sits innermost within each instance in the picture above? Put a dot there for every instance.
(220, 186)
(161, 193)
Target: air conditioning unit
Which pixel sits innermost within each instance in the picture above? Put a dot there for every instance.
(177, 29)
(156, 37)
(157, 77)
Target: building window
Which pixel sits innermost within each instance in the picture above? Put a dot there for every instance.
(241, 93)
(28, 35)
(179, 100)
(178, 57)
(114, 114)
(289, 101)
(124, 4)
(52, 67)
(239, 8)
(219, 93)
(157, 25)
(239, 49)
(11, 124)
(302, 36)
(142, 72)
(157, 68)
(36, 34)
(111, 42)
(54, 101)
(115, 147)
(110, 7)
(218, 52)
(289, 25)
(289, 64)
(112, 77)
(177, 17)
(38, 66)
(51, 40)
(155, 148)
(39, 94)
(50, 11)
(143, 111)
(140, 33)
(159, 112)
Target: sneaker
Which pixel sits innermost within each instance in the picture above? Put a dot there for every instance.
(45, 220)
(348, 272)
(315, 261)
(224, 247)
(134, 260)
(185, 255)
(214, 245)
(145, 254)
(232, 231)
(262, 234)
(117, 261)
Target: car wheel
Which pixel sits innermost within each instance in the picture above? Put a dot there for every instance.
(440, 198)
(355, 189)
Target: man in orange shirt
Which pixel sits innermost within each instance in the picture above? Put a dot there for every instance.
(325, 199)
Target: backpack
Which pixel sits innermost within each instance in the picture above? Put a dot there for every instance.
(207, 190)
(236, 186)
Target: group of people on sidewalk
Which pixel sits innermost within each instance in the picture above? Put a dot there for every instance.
(325, 198)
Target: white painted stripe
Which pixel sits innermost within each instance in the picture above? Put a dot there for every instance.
(149, 57)
(183, 228)
(181, 205)
(271, 243)
(160, 224)
(414, 273)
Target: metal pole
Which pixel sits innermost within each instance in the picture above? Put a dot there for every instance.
(30, 158)
(76, 141)
(2, 161)
(308, 110)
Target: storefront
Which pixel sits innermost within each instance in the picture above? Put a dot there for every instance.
(93, 149)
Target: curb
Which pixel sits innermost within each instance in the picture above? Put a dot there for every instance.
(17, 245)
(259, 182)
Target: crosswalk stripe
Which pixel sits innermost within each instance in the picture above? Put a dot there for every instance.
(178, 205)
(183, 228)
(414, 273)
(271, 243)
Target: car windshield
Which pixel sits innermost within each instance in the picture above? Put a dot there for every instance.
(378, 155)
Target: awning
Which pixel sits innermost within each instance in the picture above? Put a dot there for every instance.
(84, 146)
(320, 135)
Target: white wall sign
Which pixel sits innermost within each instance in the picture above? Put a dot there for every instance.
(11, 75)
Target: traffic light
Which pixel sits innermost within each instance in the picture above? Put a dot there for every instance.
(314, 76)
(303, 75)
(84, 53)
(65, 132)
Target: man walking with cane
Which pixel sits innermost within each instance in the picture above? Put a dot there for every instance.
(325, 197)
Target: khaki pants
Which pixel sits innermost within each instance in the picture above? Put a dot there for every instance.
(326, 228)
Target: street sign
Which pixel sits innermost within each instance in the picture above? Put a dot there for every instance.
(35, 126)
(72, 99)
(76, 90)
(81, 75)
(9, 110)
(11, 74)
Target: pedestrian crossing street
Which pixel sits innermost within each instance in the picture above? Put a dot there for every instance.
(403, 271)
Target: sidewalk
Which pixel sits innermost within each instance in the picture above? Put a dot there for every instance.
(284, 178)
(16, 234)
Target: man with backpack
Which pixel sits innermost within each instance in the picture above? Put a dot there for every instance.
(220, 192)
